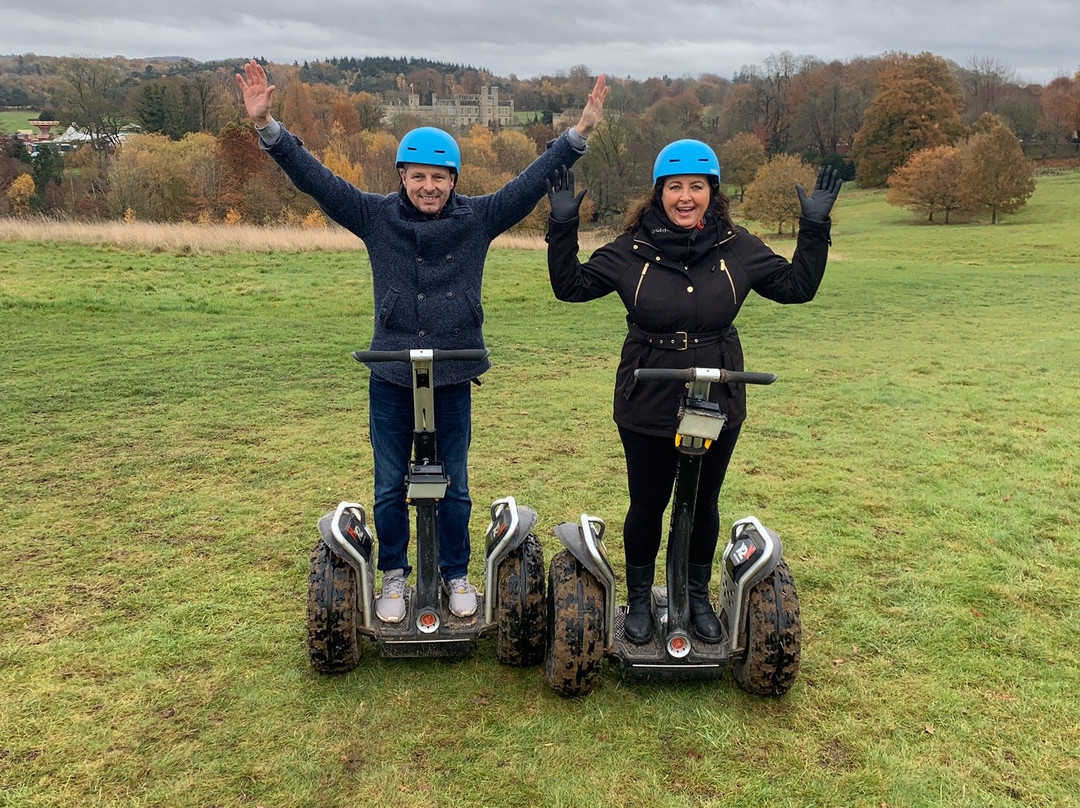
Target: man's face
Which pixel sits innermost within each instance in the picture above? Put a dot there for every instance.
(428, 187)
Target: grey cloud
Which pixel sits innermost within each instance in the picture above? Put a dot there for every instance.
(640, 38)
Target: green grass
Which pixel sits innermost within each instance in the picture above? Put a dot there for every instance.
(173, 426)
(12, 120)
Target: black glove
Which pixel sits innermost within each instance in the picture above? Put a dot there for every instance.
(564, 205)
(817, 206)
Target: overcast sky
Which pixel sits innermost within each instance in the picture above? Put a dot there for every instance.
(1037, 40)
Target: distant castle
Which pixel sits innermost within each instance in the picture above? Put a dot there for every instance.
(486, 108)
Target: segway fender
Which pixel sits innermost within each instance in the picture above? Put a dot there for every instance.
(586, 542)
(752, 554)
(345, 531)
(510, 525)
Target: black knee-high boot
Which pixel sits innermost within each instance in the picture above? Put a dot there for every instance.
(703, 620)
(638, 625)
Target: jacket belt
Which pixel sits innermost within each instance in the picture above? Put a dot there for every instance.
(677, 341)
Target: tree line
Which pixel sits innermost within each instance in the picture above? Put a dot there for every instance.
(196, 159)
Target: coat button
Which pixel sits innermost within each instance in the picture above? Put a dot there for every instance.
(422, 333)
(449, 258)
(421, 296)
(457, 332)
(419, 259)
(449, 295)
(689, 288)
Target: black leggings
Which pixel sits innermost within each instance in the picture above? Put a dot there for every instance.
(650, 472)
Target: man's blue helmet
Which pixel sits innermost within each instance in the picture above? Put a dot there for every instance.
(430, 147)
(686, 157)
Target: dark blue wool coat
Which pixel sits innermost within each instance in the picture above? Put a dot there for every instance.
(427, 273)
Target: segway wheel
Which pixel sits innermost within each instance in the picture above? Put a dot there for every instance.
(333, 641)
(575, 635)
(774, 636)
(522, 609)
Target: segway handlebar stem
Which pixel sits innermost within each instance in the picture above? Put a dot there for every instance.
(432, 354)
(719, 375)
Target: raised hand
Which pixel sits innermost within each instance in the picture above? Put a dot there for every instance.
(817, 206)
(258, 92)
(564, 204)
(594, 109)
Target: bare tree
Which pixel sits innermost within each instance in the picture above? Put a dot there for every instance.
(93, 98)
(983, 79)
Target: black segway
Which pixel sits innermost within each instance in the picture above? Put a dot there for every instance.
(759, 615)
(341, 588)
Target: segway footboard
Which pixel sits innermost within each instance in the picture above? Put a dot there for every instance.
(690, 659)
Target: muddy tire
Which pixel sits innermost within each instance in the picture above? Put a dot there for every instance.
(521, 607)
(774, 636)
(575, 627)
(332, 614)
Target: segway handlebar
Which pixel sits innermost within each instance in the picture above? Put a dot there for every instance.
(435, 354)
(703, 374)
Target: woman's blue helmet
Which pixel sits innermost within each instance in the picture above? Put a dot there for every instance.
(430, 147)
(686, 157)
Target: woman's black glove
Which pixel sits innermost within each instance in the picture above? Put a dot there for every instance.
(564, 205)
(817, 206)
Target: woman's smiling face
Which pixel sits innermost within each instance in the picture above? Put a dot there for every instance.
(685, 198)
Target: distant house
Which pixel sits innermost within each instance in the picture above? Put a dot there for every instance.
(486, 108)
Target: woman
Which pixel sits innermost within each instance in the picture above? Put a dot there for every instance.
(683, 270)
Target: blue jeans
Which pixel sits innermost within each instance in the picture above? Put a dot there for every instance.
(391, 408)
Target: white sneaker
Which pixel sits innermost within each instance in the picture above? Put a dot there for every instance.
(390, 607)
(462, 597)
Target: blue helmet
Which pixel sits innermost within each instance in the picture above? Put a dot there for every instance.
(686, 157)
(430, 147)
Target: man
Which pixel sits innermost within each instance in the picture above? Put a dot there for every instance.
(427, 247)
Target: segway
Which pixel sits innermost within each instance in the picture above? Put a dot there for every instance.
(759, 614)
(341, 587)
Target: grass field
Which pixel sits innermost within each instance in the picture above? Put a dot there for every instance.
(12, 120)
(174, 422)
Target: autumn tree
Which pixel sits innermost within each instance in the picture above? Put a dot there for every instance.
(613, 170)
(740, 159)
(917, 106)
(771, 197)
(299, 115)
(19, 194)
(241, 159)
(336, 157)
(929, 182)
(480, 172)
(681, 115)
(1061, 106)
(379, 161)
(144, 179)
(514, 151)
(14, 159)
(995, 174)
